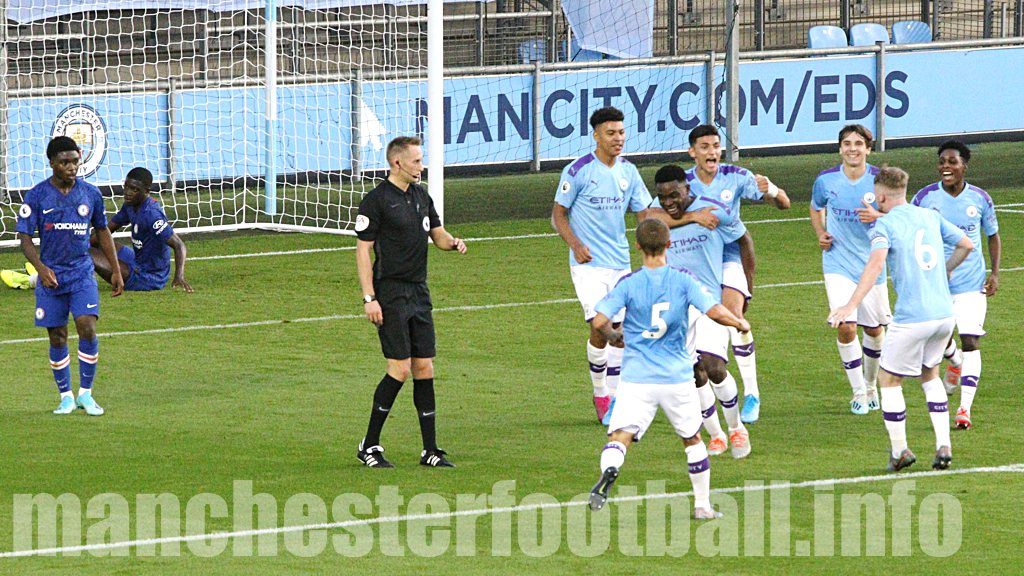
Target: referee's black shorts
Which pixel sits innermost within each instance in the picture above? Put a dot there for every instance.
(408, 328)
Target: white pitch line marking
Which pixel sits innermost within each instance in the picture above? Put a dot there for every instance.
(1008, 468)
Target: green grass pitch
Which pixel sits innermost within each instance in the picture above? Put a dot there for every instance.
(283, 403)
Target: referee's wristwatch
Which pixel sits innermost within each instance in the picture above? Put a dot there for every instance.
(367, 298)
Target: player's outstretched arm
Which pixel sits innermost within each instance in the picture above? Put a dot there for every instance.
(560, 222)
(603, 324)
(445, 241)
(180, 253)
(46, 276)
(704, 217)
(772, 194)
(107, 246)
(995, 250)
(961, 251)
(876, 262)
(723, 316)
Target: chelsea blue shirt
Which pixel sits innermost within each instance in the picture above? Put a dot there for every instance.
(657, 302)
(841, 197)
(973, 212)
(597, 198)
(150, 233)
(915, 237)
(63, 224)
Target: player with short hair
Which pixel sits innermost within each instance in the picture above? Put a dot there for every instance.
(593, 195)
(657, 369)
(146, 264)
(970, 208)
(911, 240)
(394, 223)
(699, 252)
(726, 185)
(839, 197)
(61, 210)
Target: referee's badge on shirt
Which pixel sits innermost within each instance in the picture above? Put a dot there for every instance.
(362, 223)
(426, 224)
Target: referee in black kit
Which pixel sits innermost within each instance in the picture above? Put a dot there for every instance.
(394, 221)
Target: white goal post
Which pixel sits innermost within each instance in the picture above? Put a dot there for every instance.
(270, 118)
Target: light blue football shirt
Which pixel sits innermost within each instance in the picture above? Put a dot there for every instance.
(730, 185)
(657, 302)
(841, 197)
(915, 237)
(597, 198)
(973, 212)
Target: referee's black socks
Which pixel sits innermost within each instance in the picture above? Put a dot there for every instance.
(383, 400)
(423, 398)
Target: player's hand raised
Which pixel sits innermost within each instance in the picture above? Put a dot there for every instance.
(582, 253)
(46, 276)
(825, 241)
(183, 284)
(706, 218)
(868, 213)
(374, 313)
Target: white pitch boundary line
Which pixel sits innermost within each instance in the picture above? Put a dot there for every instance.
(1009, 468)
(468, 308)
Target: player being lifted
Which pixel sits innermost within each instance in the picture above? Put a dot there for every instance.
(61, 210)
(911, 240)
(839, 196)
(698, 251)
(593, 195)
(725, 185)
(971, 209)
(145, 265)
(657, 368)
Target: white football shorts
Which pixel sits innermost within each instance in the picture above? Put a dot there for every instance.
(969, 309)
(709, 337)
(733, 277)
(873, 311)
(636, 405)
(908, 347)
(593, 283)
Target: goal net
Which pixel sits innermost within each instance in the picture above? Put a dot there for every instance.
(272, 117)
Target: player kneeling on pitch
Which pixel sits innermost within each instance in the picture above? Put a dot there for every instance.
(910, 240)
(657, 369)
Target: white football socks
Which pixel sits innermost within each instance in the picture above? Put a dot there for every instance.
(727, 396)
(746, 361)
(850, 354)
(970, 373)
(598, 358)
(872, 355)
(894, 412)
(709, 411)
(700, 475)
(938, 410)
(613, 455)
(614, 367)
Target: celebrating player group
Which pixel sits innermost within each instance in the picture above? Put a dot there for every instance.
(659, 335)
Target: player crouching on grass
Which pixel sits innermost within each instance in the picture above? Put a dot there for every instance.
(657, 368)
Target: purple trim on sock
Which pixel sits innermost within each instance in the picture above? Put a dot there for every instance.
(969, 381)
(726, 360)
(852, 364)
(894, 416)
(698, 467)
(743, 350)
(614, 370)
(730, 403)
(938, 406)
(872, 353)
(709, 412)
(597, 367)
(615, 446)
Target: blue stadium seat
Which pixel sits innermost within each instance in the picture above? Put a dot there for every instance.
(868, 34)
(911, 32)
(826, 37)
(535, 50)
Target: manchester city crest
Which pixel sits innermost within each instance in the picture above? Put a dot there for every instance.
(84, 125)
